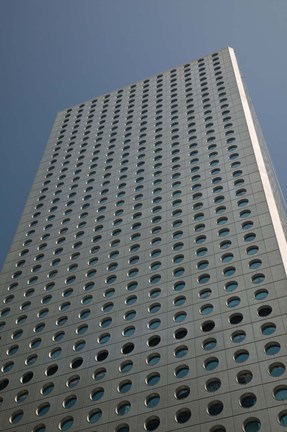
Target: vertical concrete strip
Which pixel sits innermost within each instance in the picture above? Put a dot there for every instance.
(281, 239)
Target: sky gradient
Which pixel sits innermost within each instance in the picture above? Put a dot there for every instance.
(58, 53)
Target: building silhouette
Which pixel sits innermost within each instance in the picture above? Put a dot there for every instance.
(145, 289)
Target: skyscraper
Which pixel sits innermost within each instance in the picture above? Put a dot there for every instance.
(145, 289)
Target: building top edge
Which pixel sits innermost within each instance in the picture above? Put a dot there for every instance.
(227, 48)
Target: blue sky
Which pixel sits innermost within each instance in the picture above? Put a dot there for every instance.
(56, 53)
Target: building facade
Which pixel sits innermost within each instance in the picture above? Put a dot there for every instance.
(145, 289)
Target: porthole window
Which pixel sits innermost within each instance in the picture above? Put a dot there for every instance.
(129, 331)
(223, 232)
(28, 376)
(207, 326)
(109, 292)
(107, 307)
(183, 415)
(152, 400)
(233, 302)
(200, 239)
(86, 300)
(206, 309)
(21, 396)
(111, 279)
(154, 324)
(181, 351)
(31, 359)
(99, 374)
(283, 418)
(178, 272)
(229, 271)
(70, 401)
(276, 369)
(238, 336)
(241, 356)
(123, 428)
(248, 400)
(47, 389)
(100, 356)
(247, 225)
(227, 257)
(153, 359)
(130, 315)
(66, 424)
(83, 315)
(43, 409)
(213, 385)
(23, 318)
(133, 272)
(209, 344)
(258, 278)
(180, 333)
(218, 429)
(202, 265)
(125, 386)
(202, 279)
(12, 350)
(152, 423)
(249, 237)
(180, 316)
(252, 425)
(252, 250)
(243, 202)
(179, 301)
(178, 258)
(182, 392)
(65, 306)
(3, 384)
(154, 308)
(261, 294)
(155, 279)
(264, 311)
(201, 252)
(219, 199)
(236, 318)
(16, 417)
(280, 393)
(211, 363)
(181, 371)
(199, 227)
(231, 286)
(126, 366)
(179, 286)
(244, 377)
(153, 378)
(103, 339)
(155, 293)
(244, 214)
(272, 348)
(132, 286)
(87, 287)
(59, 336)
(215, 408)
(155, 253)
(18, 333)
(106, 322)
(154, 341)
(56, 352)
(205, 293)
(225, 244)
(94, 416)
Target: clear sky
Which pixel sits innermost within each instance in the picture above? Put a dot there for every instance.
(57, 53)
